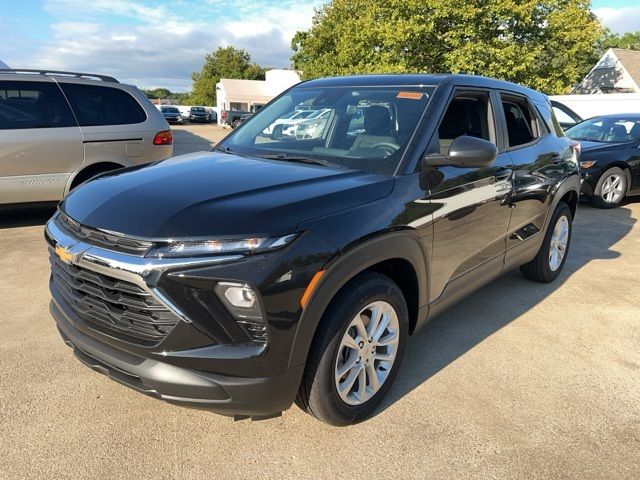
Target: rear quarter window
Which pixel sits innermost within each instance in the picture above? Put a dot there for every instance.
(96, 105)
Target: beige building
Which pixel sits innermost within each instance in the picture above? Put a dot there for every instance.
(249, 95)
(618, 71)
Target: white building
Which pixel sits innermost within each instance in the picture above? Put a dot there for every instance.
(249, 95)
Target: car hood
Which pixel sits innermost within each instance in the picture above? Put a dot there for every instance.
(211, 194)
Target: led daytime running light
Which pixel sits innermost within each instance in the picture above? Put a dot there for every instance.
(212, 247)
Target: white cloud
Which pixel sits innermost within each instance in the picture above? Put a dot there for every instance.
(160, 45)
(620, 20)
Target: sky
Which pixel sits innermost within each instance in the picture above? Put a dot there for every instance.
(155, 43)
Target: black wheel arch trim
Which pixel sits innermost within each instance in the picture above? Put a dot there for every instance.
(569, 184)
(398, 245)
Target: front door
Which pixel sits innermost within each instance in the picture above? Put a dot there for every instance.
(470, 205)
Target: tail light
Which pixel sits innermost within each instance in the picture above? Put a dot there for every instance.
(163, 138)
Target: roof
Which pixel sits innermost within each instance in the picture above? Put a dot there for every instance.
(247, 88)
(423, 79)
(630, 60)
(617, 71)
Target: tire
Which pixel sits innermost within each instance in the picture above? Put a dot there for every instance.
(236, 124)
(277, 133)
(546, 266)
(610, 189)
(318, 394)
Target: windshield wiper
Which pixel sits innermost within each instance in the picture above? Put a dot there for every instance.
(589, 140)
(223, 150)
(296, 158)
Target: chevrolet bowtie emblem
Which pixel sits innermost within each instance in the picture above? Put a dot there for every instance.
(63, 254)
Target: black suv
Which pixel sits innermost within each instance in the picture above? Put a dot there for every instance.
(278, 270)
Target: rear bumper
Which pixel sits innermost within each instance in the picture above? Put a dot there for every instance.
(240, 397)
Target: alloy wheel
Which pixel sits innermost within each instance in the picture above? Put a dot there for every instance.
(367, 353)
(559, 242)
(613, 188)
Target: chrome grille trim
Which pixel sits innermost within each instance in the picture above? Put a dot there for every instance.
(102, 238)
(130, 268)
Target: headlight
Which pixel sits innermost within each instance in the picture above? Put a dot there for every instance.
(587, 164)
(212, 247)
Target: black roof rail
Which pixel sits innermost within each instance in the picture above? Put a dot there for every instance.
(104, 78)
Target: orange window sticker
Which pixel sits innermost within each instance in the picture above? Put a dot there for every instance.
(410, 95)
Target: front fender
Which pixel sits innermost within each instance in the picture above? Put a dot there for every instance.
(399, 245)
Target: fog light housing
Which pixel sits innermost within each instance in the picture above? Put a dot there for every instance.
(241, 300)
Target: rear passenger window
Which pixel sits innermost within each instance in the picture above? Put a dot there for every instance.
(468, 114)
(521, 121)
(96, 105)
(33, 105)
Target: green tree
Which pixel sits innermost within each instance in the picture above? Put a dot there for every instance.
(547, 45)
(628, 40)
(165, 93)
(157, 93)
(227, 62)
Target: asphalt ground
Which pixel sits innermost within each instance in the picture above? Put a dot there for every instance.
(518, 381)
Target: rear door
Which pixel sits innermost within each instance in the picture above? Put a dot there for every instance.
(111, 120)
(539, 159)
(470, 205)
(40, 142)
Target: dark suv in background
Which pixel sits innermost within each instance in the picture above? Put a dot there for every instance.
(273, 270)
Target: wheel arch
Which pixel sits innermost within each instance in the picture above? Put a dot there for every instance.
(622, 166)
(398, 256)
(88, 171)
(567, 191)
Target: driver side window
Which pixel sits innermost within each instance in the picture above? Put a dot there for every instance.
(469, 114)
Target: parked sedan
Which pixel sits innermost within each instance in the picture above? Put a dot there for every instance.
(610, 157)
(171, 114)
(199, 114)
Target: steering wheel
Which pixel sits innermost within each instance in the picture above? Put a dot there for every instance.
(388, 147)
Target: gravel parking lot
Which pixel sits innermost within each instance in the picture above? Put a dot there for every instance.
(519, 380)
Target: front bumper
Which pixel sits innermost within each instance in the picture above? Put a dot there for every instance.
(201, 362)
(234, 396)
(589, 180)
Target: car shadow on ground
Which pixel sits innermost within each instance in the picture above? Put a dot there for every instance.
(480, 315)
(26, 215)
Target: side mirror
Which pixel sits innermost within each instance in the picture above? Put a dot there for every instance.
(465, 152)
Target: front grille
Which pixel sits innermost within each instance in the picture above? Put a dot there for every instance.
(120, 309)
(100, 238)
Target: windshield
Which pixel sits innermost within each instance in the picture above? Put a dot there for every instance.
(361, 128)
(606, 130)
(170, 110)
(197, 109)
